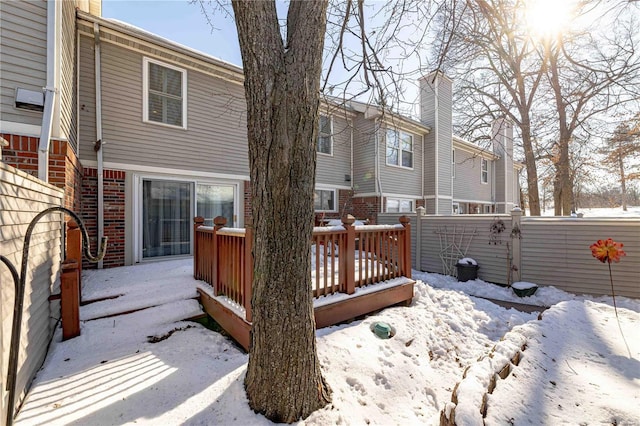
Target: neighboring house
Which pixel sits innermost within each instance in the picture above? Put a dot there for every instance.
(146, 134)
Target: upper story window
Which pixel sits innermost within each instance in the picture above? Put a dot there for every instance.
(484, 176)
(395, 205)
(324, 200)
(399, 148)
(325, 140)
(164, 94)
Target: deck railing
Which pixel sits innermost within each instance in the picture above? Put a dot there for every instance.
(343, 258)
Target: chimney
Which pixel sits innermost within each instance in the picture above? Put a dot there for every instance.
(505, 179)
(435, 112)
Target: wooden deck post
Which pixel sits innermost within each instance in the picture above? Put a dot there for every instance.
(248, 272)
(350, 254)
(74, 249)
(405, 246)
(70, 299)
(198, 221)
(218, 223)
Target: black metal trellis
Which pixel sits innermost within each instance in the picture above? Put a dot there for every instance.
(19, 283)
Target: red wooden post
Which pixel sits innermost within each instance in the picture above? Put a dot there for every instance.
(74, 249)
(248, 272)
(198, 221)
(405, 242)
(350, 254)
(70, 299)
(218, 223)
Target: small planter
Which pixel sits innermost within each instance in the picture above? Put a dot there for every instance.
(467, 271)
(524, 289)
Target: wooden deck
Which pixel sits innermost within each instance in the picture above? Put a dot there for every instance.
(356, 270)
(326, 315)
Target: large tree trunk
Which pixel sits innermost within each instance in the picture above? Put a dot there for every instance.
(282, 81)
(530, 162)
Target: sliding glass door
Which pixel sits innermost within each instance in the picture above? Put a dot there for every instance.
(216, 200)
(167, 211)
(166, 218)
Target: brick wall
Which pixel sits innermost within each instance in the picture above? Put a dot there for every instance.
(248, 212)
(114, 211)
(366, 208)
(65, 171)
(22, 153)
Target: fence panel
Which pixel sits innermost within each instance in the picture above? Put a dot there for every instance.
(555, 251)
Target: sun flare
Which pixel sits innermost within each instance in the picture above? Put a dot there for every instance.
(547, 18)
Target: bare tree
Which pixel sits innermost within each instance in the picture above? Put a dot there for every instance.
(621, 152)
(282, 82)
(282, 63)
(498, 74)
(589, 74)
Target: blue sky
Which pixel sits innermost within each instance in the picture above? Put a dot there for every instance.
(182, 22)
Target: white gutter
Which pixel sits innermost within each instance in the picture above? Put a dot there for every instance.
(377, 165)
(49, 91)
(350, 120)
(436, 136)
(99, 141)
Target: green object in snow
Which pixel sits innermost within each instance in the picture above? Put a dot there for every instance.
(382, 330)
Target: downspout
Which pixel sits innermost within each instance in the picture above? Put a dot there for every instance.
(49, 92)
(436, 147)
(351, 158)
(98, 146)
(422, 174)
(377, 166)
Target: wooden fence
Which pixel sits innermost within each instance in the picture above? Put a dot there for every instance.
(343, 258)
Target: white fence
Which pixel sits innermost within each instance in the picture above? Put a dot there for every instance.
(544, 250)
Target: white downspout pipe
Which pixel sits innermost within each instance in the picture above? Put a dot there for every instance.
(49, 91)
(99, 141)
(436, 83)
(377, 166)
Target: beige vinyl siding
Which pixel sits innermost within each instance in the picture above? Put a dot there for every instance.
(445, 144)
(364, 137)
(401, 180)
(492, 258)
(429, 172)
(68, 81)
(214, 141)
(87, 112)
(331, 169)
(467, 184)
(23, 47)
(555, 251)
(22, 197)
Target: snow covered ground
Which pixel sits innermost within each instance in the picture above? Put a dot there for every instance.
(603, 212)
(151, 367)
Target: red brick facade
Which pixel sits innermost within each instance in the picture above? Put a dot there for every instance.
(114, 213)
(366, 208)
(64, 168)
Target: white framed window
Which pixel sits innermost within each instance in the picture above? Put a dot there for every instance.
(164, 94)
(455, 208)
(453, 163)
(487, 208)
(484, 173)
(398, 205)
(324, 200)
(325, 135)
(399, 148)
